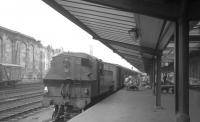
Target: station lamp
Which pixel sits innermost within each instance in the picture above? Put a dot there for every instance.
(134, 34)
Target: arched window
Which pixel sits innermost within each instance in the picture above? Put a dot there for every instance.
(36, 58)
(7, 50)
(17, 52)
(23, 54)
(31, 58)
(37, 61)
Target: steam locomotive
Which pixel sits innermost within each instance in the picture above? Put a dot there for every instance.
(75, 80)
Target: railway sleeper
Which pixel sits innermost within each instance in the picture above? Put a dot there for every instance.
(21, 96)
(24, 109)
(16, 105)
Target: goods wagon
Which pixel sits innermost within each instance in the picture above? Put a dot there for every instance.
(10, 74)
(75, 80)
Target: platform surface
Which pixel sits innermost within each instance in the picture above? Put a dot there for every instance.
(128, 106)
(42, 116)
(137, 106)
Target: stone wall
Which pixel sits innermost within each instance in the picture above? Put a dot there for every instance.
(17, 48)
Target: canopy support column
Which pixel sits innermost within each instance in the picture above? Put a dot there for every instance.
(158, 81)
(153, 76)
(182, 70)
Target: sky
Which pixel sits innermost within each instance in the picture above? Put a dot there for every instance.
(36, 19)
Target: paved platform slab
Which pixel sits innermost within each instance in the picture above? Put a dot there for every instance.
(136, 106)
(128, 106)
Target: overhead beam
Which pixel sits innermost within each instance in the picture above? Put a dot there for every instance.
(164, 10)
(160, 34)
(166, 35)
(129, 46)
(194, 10)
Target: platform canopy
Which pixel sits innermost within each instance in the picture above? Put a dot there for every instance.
(137, 30)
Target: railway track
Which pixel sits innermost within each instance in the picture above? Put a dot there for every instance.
(20, 87)
(16, 93)
(19, 101)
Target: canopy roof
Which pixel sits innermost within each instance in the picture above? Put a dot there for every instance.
(135, 37)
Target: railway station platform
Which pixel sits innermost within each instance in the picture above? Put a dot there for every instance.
(129, 106)
(137, 106)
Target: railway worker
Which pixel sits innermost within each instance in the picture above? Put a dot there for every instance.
(164, 78)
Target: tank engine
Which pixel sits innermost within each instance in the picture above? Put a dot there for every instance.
(76, 79)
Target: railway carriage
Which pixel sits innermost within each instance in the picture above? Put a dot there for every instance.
(75, 80)
(109, 82)
(10, 74)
